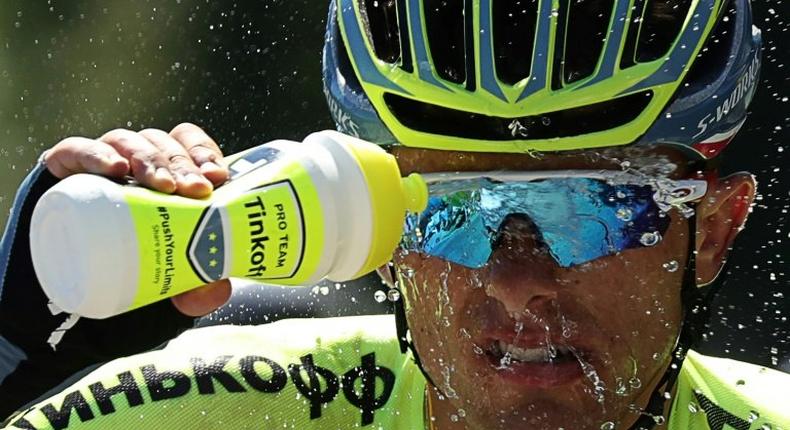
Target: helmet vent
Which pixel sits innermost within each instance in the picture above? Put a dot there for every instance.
(628, 58)
(405, 41)
(715, 53)
(514, 23)
(381, 19)
(344, 65)
(661, 26)
(444, 25)
(440, 120)
(588, 23)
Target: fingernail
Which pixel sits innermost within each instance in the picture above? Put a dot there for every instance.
(209, 165)
(163, 174)
(193, 177)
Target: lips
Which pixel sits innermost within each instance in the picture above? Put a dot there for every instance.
(532, 360)
(544, 354)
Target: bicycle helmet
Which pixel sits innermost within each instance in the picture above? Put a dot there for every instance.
(501, 76)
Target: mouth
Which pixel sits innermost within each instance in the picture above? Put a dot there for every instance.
(540, 366)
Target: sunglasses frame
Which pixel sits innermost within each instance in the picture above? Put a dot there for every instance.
(683, 190)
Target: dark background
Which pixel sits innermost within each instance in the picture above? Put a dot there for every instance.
(249, 72)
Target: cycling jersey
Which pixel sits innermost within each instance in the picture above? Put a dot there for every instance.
(337, 373)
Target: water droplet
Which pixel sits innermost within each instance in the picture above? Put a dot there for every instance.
(650, 238)
(551, 351)
(545, 121)
(380, 296)
(765, 427)
(625, 164)
(668, 115)
(753, 416)
(393, 295)
(454, 418)
(461, 413)
(607, 426)
(671, 266)
(620, 388)
(740, 382)
(635, 382)
(659, 419)
(324, 290)
(693, 408)
(625, 214)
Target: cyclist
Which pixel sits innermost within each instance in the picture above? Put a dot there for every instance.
(560, 286)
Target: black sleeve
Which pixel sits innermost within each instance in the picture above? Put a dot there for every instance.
(30, 362)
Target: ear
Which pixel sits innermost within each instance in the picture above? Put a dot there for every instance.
(721, 216)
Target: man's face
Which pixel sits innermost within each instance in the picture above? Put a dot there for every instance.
(525, 343)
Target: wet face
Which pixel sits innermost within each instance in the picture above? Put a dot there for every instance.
(525, 343)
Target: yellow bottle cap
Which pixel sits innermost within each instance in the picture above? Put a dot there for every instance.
(391, 197)
(416, 192)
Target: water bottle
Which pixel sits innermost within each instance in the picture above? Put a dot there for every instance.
(292, 213)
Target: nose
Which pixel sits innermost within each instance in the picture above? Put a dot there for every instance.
(522, 273)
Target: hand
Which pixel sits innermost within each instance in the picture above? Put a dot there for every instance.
(185, 161)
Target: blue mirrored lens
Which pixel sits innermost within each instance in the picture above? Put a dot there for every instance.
(577, 219)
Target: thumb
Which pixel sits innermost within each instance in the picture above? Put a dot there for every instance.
(203, 300)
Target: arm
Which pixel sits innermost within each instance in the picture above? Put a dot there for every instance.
(39, 346)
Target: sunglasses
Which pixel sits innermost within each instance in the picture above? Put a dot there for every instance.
(578, 216)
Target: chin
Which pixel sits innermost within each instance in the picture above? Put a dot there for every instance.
(490, 403)
(537, 415)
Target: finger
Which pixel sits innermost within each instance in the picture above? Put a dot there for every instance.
(203, 300)
(204, 151)
(190, 182)
(81, 155)
(148, 165)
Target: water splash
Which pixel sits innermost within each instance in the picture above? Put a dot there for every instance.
(444, 298)
(447, 389)
(598, 386)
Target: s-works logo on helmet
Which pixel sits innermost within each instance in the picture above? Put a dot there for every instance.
(745, 88)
